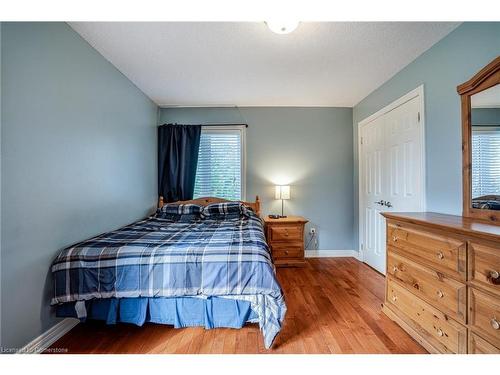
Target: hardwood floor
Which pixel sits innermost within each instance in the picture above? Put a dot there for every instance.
(333, 307)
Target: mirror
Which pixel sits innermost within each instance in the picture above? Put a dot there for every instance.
(485, 149)
(480, 98)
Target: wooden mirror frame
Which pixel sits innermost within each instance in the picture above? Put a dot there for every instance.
(487, 77)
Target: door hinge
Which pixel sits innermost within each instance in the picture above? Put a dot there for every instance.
(418, 116)
(361, 140)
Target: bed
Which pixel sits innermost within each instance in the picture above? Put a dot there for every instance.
(487, 202)
(203, 262)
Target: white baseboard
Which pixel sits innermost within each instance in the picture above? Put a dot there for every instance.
(46, 339)
(331, 253)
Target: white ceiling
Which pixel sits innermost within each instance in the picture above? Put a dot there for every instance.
(245, 64)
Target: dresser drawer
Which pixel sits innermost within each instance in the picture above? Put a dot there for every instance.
(286, 233)
(446, 254)
(484, 265)
(287, 251)
(484, 314)
(443, 332)
(448, 295)
(478, 345)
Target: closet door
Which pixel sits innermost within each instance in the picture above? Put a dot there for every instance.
(373, 188)
(391, 174)
(404, 168)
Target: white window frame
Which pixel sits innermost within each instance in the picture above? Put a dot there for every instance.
(242, 130)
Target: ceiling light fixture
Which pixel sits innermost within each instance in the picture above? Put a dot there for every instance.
(282, 27)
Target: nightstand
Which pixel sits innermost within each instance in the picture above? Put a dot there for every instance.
(285, 237)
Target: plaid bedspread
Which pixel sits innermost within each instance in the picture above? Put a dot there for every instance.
(159, 257)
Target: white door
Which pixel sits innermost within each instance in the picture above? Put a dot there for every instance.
(372, 165)
(403, 136)
(392, 176)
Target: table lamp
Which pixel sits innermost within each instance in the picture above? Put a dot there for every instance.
(282, 192)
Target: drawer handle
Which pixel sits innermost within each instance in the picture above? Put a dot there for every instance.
(440, 332)
(440, 255)
(394, 298)
(494, 275)
(286, 252)
(494, 324)
(394, 269)
(440, 294)
(394, 238)
(286, 232)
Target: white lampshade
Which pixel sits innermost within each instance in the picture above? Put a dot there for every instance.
(282, 192)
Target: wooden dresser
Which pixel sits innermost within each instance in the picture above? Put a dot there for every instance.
(285, 237)
(443, 282)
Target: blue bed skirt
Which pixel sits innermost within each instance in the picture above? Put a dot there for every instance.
(211, 312)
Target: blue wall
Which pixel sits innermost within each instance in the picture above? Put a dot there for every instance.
(450, 62)
(308, 148)
(485, 116)
(78, 158)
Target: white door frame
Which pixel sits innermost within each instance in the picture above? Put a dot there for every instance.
(418, 92)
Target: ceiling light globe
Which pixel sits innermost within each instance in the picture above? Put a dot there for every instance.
(282, 27)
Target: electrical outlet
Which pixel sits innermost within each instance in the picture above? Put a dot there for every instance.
(312, 230)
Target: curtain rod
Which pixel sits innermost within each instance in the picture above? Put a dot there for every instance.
(245, 125)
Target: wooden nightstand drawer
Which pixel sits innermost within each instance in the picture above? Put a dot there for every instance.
(285, 237)
(286, 233)
(287, 251)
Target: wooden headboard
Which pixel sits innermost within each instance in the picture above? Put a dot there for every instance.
(255, 206)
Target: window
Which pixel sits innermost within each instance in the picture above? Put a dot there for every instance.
(485, 161)
(221, 163)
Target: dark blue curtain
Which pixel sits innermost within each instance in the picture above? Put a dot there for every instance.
(178, 147)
